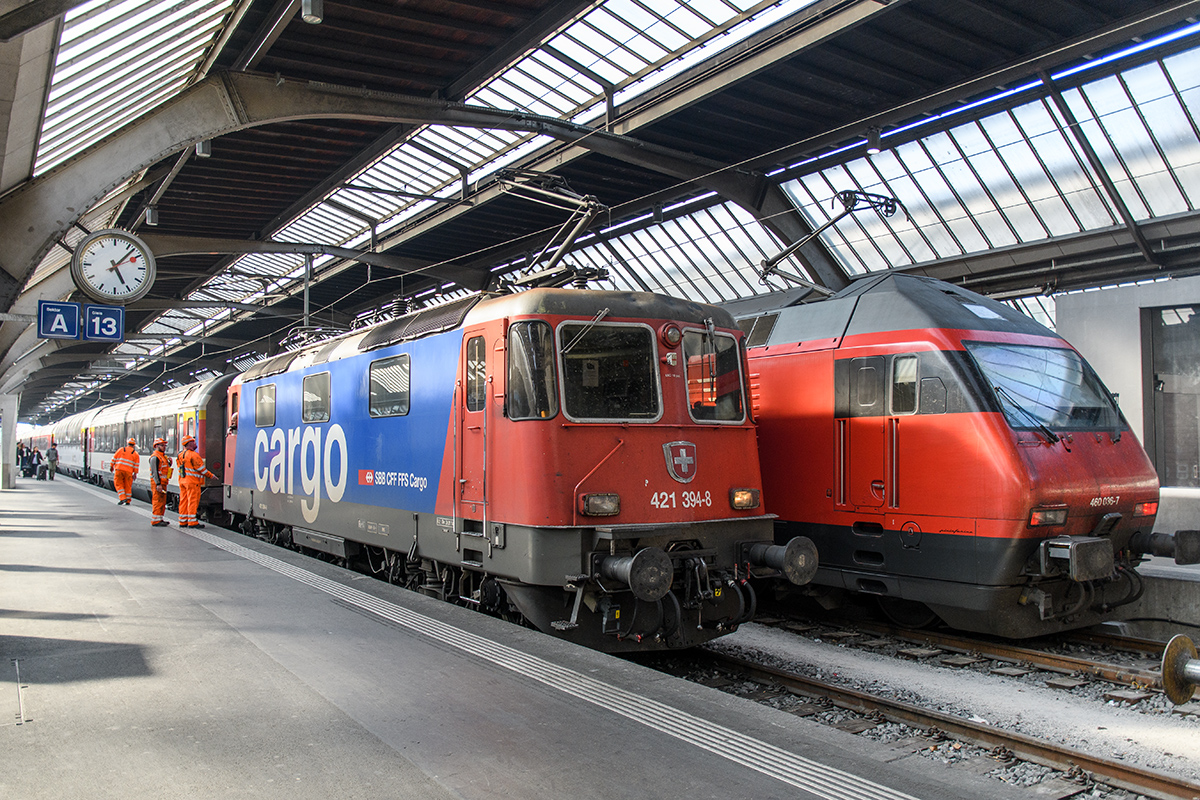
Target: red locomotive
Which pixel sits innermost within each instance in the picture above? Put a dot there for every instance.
(950, 456)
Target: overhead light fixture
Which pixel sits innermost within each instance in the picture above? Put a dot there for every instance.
(873, 145)
(204, 149)
(151, 216)
(312, 11)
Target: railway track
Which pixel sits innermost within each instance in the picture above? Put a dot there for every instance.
(1146, 677)
(1075, 763)
(1125, 675)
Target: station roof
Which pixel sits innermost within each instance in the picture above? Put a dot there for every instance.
(404, 154)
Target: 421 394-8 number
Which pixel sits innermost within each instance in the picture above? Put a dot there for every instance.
(681, 499)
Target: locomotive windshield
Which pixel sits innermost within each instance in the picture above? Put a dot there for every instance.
(1045, 387)
(714, 380)
(609, 372)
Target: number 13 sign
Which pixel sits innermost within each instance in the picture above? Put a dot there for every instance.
(104, 323)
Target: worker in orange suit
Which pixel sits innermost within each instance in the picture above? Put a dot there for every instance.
(160, 474)
(124, 467)
(192, 473)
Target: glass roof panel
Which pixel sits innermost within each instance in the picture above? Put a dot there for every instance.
(141, 48)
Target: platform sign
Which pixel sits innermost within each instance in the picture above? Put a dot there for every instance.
(58, 320)
(104, 323)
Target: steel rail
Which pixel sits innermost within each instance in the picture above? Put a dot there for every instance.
(1130, 644)
(1112, 773)
(1114, 673)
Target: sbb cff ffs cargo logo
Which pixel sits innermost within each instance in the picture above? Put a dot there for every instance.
(681, 460)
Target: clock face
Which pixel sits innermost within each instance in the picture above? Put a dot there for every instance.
(113, 266)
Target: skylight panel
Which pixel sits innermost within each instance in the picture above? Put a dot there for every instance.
(142, 49)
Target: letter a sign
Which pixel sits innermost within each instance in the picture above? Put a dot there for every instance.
(58, 320)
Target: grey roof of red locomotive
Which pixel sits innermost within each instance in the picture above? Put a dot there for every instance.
(880, 303)
(588, 302)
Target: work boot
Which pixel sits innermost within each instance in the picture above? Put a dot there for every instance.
(197, 525)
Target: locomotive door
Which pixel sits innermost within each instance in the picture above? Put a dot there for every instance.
(865, 449)
(472, 426)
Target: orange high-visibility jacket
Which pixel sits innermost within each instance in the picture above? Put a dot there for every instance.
(160, 468)
(126, 460)
(192, 468)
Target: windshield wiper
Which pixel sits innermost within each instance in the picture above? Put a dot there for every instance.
(1041, 426)
(599, 316)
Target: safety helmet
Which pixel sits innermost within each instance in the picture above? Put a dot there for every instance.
(132, 441)
(159, 441)
(189, 440)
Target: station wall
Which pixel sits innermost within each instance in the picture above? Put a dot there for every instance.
(1144, 341)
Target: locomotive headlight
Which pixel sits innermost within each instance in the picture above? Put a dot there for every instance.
(600, 505)
(744, 498)
(1047, 516)
(1145, 509)
(671, 335)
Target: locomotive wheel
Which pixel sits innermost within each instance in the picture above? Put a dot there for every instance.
(907, 613)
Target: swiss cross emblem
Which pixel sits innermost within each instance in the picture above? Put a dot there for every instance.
(681, 460)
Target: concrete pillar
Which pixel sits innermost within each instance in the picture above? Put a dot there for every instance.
(8, 440)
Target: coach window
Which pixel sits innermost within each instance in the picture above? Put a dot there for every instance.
(264, 406)
(315, 406)
(904, 384)
(476, 374)
(389, 386)
(532, 389)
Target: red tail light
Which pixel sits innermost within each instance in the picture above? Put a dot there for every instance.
(1145, 509)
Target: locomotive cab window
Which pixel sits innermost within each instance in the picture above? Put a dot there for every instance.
(714, 378)
(904, 384)
(609, 372)
(264, 406)
(315, 403)
(390, 386)
(476, 374)
(531, 385)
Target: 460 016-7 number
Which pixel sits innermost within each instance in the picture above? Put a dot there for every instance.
(681, 499)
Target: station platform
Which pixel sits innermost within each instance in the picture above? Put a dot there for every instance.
(144, 662)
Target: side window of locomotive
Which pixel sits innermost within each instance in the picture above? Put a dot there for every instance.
(264, 406)
(531, 385)
(169, 426)
(904, 384)
(933, 396)
(314, 406)
(389, 381)
(866, 385)
(476, 374)
(758, 329)
(714, 380)
(608, 372)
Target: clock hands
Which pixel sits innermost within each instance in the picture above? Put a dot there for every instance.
(118, 263)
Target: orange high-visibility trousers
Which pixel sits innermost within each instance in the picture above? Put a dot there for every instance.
(189, 501)
(123, 481)
(158, 501)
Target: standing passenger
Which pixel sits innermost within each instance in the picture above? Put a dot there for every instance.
(191, 480)
(160, 473)
(124, 468)
(52, 459)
